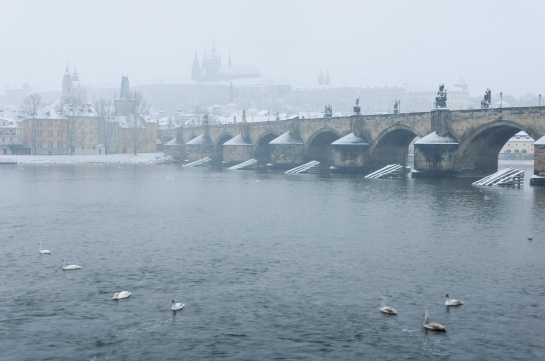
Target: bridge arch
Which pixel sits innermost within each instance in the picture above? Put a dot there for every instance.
(481, 146)
(318, 146)
(261, 149)
(218, 147)
(391, 146)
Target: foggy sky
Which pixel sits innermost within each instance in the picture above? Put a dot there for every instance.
(496, 44)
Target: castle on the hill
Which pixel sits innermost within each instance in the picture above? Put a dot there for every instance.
(211, 69)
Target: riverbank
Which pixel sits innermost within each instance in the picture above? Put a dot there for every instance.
(74, 159)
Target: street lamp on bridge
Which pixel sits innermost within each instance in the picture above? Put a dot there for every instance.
(501, 101)
(539, 104)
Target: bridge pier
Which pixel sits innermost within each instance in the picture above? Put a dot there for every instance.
(539, 163)
(199, 147)
(176, 147)
(349, 153)
(434, 153)
(287, 151)
(237, 150)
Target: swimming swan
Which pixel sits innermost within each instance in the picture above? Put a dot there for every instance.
(389, 310)
(432, 325)
(42, 251)
(386, 309)
(452, 302)
(176, 306)
(120, 295)
(69, 267)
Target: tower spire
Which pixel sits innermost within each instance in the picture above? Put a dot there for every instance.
(195, 69)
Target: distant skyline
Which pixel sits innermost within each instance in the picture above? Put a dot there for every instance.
(417, 44)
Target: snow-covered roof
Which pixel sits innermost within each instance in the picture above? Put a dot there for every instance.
(521, 137)
(11, 116)
(51, 111)
(201, 139)
(540, 141)
(434, 138)
(237, 140)
(351, 139)
(82, 110)
(287, 138)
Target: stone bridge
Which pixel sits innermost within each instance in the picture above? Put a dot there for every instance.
(452, 143)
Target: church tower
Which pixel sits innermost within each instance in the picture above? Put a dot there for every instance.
(125, 92)
(196, 69)
(66, 85)
(123, 105)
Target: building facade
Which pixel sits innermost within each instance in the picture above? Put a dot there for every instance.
(519, 147)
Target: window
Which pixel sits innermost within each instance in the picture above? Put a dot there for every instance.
(524, 151)
(59, 133)
(516, 150)
(50, 133)
(50, 144)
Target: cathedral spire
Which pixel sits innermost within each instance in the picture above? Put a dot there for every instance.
(195, 69)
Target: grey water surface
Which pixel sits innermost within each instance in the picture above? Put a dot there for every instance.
(269, 266)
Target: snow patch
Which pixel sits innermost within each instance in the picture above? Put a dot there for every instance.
(201, 139)
(287, 138)
(237, 140)
(540, 141)
(141, 158)
(434, 138)
(351, 139)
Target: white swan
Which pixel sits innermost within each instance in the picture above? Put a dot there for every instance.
(176, 306)
(452, 301)
(432, 325)
(42, 251)
(389, 310)
(386, 309)
(69, 267)
(120, 295)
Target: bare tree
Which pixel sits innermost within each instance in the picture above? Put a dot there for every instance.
(136, 122)
(106, 129)
(31, 106)
(74, 124)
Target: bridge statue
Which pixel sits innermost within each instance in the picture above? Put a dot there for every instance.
(357, 108)
(441, 98)
(328, 111)
(485, 103)
(396, 106)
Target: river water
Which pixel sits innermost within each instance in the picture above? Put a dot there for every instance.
(269, 266)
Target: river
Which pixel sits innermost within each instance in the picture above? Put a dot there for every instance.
(269, 266)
